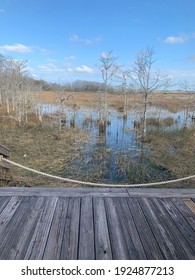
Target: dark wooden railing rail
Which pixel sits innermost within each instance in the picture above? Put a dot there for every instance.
(4, 151)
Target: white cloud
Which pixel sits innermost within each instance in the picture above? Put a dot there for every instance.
(20, 48)
(176, 39)
(80, 69)
(50, 68)
(77, 38)
(84, 69)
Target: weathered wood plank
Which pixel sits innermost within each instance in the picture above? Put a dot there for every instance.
(184, 250)
(4, 151)
(86, 236)
(102, 240)
(37, 245)
(117, 236)
(96, 192)
(63, 192)
(133, 241)
(161, 192)
(190, 203)
(181, 223)
(148, 240)
(55, 238)
(3, 202)
(185, 211)
(163, 235)
(31, 219)
(8, 211)
(14, 228)
(69, 250)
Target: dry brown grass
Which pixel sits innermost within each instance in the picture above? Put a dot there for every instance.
(171, 101)
(174, 151)
(160, 122)
(39, 147)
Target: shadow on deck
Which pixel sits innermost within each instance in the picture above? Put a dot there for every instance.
(91, 223)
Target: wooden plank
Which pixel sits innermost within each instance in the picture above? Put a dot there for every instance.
(102, 240)
(13, 228)
(3, 202)
(161, 192)
(163, 235)
(39, 239)
(133, 241)
(63, 192)
(185, 211)
(96, 192)
(181, 223)
(190, 203)
(26, 227)
(24, 221)
(148, 240)
(184, 250)
(55, 238)
(184, 219)
(86, 236)
(8, 211)
(117, 237)
(69, 250)
(4, 151)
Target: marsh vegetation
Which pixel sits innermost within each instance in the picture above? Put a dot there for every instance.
(57, 145)
(121, 135)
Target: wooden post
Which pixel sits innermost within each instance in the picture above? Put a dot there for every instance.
(5, 153)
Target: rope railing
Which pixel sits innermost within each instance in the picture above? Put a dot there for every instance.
(93, 183)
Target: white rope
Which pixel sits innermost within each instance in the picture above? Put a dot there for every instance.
(96, 184)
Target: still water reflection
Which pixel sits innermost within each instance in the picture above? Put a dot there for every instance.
(118, 155)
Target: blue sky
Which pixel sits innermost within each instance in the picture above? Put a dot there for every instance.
(63, 39)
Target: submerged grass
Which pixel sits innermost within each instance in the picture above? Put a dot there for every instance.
(170, 154)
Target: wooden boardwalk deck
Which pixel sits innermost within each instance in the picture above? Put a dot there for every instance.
(91, 223)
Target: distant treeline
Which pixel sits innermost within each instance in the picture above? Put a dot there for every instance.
(75, 86)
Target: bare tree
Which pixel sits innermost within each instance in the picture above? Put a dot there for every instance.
(108, 68)
(125, 87)
(146, 80)
(14, 88)
(2, 81)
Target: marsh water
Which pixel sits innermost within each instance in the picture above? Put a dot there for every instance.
(118, 155)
